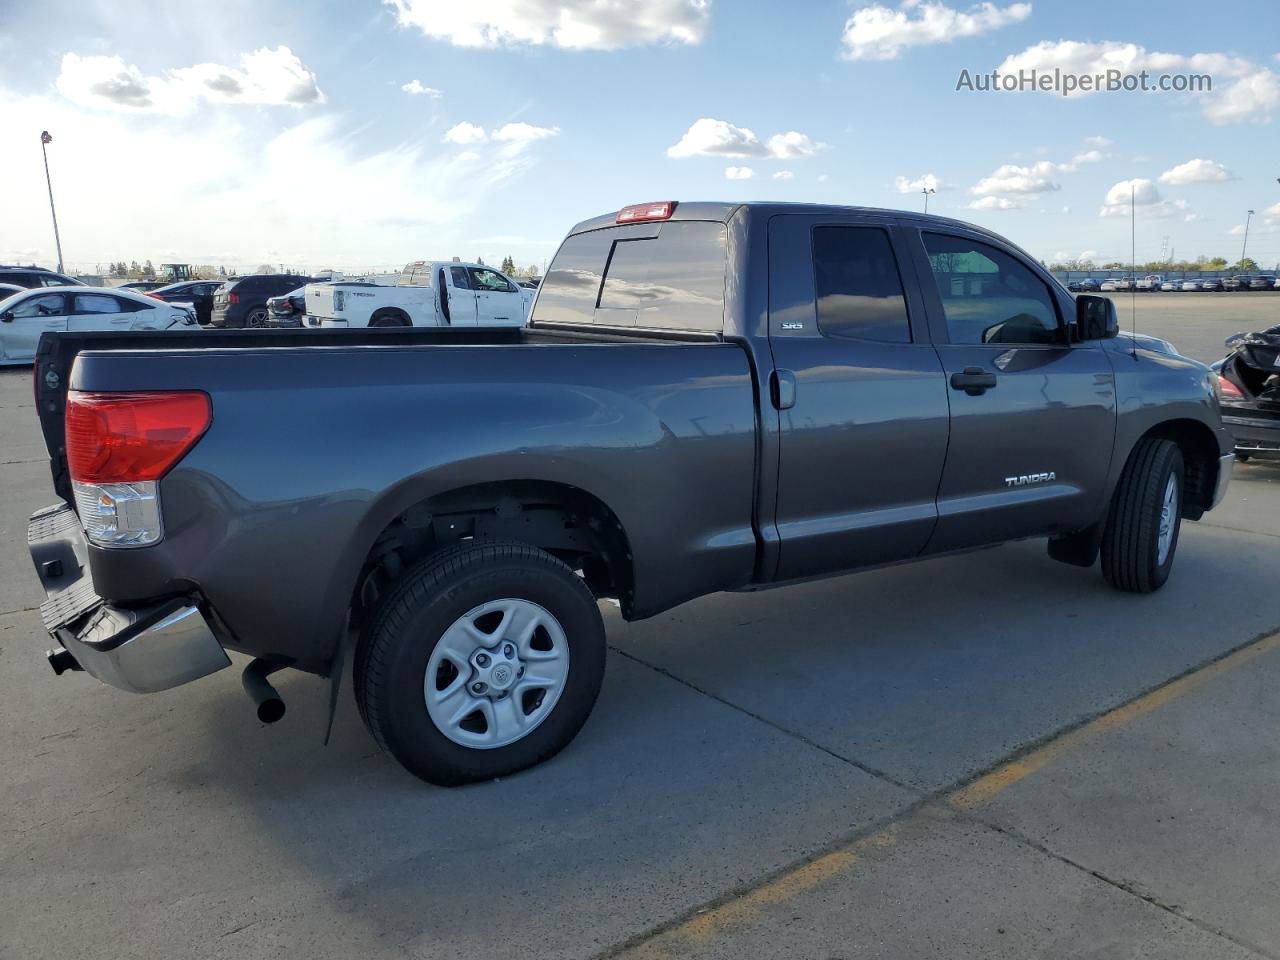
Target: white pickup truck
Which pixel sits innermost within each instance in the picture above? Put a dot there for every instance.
(428, 294)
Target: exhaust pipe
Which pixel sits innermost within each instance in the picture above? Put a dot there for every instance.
(267, 700)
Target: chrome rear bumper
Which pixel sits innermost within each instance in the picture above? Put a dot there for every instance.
(138, 649)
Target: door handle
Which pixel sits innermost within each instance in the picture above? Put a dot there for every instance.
(782, 389)
(974, 381)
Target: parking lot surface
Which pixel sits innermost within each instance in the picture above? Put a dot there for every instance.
(992, 756)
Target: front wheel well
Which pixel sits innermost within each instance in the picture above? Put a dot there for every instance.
(1200, 456)
(565, 521)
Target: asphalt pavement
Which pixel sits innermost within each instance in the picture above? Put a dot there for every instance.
(990, 756)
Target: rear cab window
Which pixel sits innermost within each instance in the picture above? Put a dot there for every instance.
(666, 276)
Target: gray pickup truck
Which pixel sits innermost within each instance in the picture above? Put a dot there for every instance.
(708, 397)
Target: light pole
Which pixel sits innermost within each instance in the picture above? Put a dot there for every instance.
(1245, 246)
(45, 139)
(926, 191)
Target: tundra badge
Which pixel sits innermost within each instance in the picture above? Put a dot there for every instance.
(1026, 479)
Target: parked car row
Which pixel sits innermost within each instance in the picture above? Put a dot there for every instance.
(1154, 282)
(29, 313)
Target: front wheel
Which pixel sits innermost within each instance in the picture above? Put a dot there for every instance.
(485, 659)
(1142, 529)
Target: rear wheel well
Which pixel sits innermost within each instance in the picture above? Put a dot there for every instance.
(389, 317)
(565, 521)
(1200, 460)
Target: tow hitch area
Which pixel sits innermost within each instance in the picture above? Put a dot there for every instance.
(61, 660)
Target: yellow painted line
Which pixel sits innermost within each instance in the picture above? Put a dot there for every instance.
(1006, 775)
(697, 931)
(702, 927)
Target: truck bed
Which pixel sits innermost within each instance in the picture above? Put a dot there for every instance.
(56, 354)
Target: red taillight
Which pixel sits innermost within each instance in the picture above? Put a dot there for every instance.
(131, 437)
(646, 211)
(155, 296)
(233, 298)
(1229, 389)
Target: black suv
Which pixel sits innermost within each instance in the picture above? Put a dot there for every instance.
(31, 277)
(243, 302)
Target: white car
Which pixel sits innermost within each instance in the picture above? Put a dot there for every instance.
(1171, 285)
(1190, 286)
(26, 315)
(429, 293)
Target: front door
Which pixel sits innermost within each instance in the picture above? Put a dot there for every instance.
(34, 316)
(498, 300)
(859, 392)
(1032, 415)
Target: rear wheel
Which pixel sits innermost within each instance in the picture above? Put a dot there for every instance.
(388, 319)
(1141, 536)
(485, 659)
(256, 318)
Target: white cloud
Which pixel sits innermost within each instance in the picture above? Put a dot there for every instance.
(823, 178)
(1146, 201)
(523, 133)
(1196, 171)
(265, 77)
(738, 173)
(882, 33)
(1029, 180)
(784, 175)
(571, 24)
(1242, 89)
(415, 88)
(465, 133)
(1088, 254)
(993, 203)
(708, 137)
(1098, 141)
(792, 144)
(927, 182)
(1089, 156)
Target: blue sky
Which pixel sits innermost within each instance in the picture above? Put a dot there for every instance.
(243, 133)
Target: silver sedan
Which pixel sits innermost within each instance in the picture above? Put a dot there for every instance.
(27, 315)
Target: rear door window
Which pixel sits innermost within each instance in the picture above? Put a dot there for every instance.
(460, 279)
(95, 303)
(669, 278)
(858, 286)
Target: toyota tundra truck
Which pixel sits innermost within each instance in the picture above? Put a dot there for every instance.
(708, 397)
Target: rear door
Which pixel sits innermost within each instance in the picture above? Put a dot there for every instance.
(861, 395)
(97, 311)
(1032, 415)
(34, 316)
(457, 299)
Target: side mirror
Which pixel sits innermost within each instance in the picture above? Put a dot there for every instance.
(1096, 318)
(6, 317)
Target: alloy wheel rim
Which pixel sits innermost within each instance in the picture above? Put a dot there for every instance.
(1168, 520)
(496, 673)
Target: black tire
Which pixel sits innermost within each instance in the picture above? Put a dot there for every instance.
(1130, 543)
(256, 318)
(1242, 457)
(398, 640)
(388, 319)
